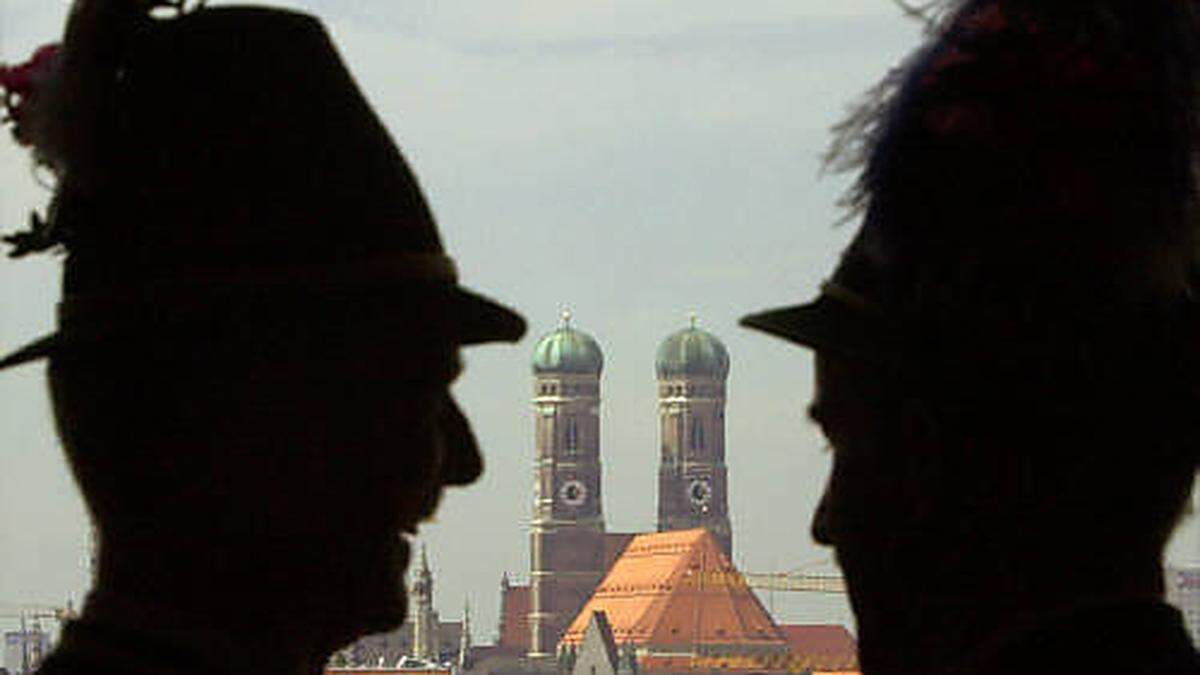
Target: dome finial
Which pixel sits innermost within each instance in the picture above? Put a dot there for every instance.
(692, 320)
(566, 317)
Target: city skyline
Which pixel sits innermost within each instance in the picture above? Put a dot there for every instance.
(635, 161)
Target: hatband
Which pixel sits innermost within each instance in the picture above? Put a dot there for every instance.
(86, 314)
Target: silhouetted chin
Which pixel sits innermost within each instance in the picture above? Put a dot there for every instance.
(385, 607)
(375, 599)
(881, 596)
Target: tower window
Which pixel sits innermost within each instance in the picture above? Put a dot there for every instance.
(697, 435)
(571, 440)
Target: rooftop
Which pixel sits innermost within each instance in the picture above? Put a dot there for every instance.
(677, 589)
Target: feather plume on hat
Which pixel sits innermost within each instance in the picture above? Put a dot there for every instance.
(183, 215)
(1029, 143)
(1026, 192)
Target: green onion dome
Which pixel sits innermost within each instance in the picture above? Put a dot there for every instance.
(567, 351)
(692, 352)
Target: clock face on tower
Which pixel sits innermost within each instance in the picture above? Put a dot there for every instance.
(700, 492)
(573, 493)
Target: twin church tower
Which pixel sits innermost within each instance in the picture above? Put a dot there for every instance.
(570, 549)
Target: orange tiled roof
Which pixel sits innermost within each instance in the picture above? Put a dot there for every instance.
(747, 664)
(683, 664)
(678, 589)
(822, 648)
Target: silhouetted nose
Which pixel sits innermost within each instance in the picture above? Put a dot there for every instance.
(462, 463)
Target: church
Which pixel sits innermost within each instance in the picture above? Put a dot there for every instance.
(657, 596)
(571, 550)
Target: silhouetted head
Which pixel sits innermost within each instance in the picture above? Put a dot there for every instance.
(1005, 355)
(958, 506)
(259, 326)
(220, 474)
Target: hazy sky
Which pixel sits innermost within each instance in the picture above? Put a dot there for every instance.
(634, 160)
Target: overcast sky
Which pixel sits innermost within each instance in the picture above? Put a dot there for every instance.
(635, 160)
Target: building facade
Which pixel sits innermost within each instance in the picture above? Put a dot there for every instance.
(567, 535)
(25, 649)
(570, 547)
(692, 367)
(1183, 591)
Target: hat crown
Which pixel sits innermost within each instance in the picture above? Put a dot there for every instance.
(224, 180)
(237, 140)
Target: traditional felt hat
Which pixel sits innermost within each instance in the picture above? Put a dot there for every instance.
(1027, 193)
(226, 158)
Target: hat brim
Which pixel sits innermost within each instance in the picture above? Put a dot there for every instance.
(479, 319)
(473, 319)
(38, 349)
(826, 325)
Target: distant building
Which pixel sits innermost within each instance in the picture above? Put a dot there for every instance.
(25, 649)
(426, 644)
(392, 647)
(1183, 591)
(567, 535)
(676, 595)
(386, 671)
(674, 603)
(692, 366)
(570, 549)
(424, 637)
(513, 637)
(821, 649)
(598, 653)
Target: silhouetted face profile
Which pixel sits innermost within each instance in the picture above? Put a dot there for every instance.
(220, 478)
(1006, 350)
(257, 337)
(870, 511)
(957, 523)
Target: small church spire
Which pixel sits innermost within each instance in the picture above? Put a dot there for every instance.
(464, 640)
(566, 317)
(424, 620)
(692, 320)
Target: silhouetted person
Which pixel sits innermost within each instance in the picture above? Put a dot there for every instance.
(1006, 353)
(257, 337)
